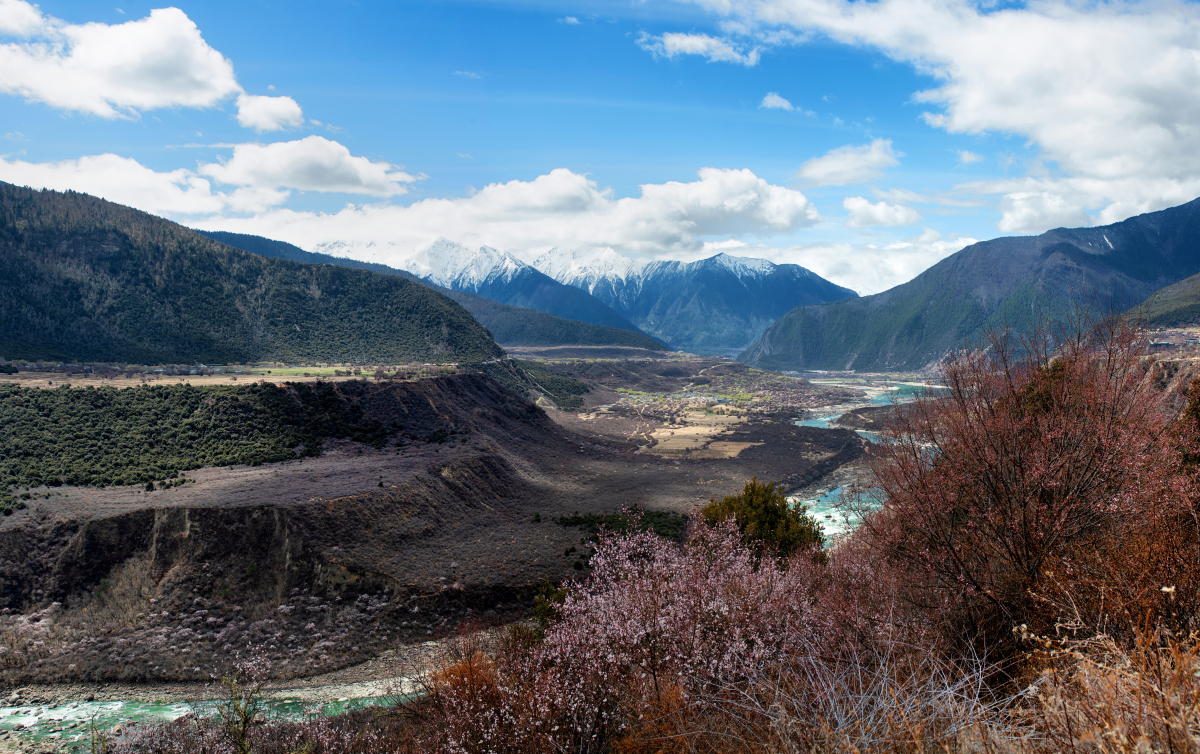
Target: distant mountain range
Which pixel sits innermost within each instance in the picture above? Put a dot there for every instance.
(717, 304)
(1006, 280)
(509, 325)
(497, 276)
(83, 279)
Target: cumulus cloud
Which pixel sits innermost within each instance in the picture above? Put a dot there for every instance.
(19, 18)
(863, 214)
(268, 113)
(122, 180)
(571, 20)
(1034, 211)
(865, 269)
(561, 208)
(713, 49)
(1032, 205)
(966, 157)
(774, 102)
(262, 177)
(119, 70)
(850, 164)
(1108, 91)
(313, 163)
(112, 70)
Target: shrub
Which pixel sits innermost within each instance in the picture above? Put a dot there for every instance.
(655, 621)
(1043, 449)
(766, 520)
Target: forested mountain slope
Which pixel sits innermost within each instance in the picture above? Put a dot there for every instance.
(1006, 280)
(85, 279)
(509, 325)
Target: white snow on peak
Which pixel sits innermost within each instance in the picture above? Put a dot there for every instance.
(742, 266)
(585, 267)
(453, 265)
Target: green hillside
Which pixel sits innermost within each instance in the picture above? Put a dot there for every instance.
(85, 279)
(1176, 305)
(509, 325)
(1006, 281)
(102, 436)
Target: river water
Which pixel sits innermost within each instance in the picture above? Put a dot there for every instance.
(828, 505)
(71, 723)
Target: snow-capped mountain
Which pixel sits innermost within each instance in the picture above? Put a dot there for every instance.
(585, 267)
(715, 305)
(490, 273)
(719, 304)
(460, 268)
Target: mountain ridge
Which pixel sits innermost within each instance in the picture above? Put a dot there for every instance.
(719, 304)
(82, 278)
(498, 276)
(1006, 280)
(509, 325)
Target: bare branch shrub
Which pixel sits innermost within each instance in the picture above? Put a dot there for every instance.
(1042, 448)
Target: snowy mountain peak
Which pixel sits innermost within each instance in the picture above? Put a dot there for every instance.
(453, 265)
(584, 267)
(741, 266)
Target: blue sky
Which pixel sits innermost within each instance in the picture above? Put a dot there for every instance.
(862, 140)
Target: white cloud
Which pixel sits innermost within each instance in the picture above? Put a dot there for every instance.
(1109, 92)
(560, 208)
(774, 102)
(19, 18)
(865, 269)
(468, 74)
(863, 214)
(1033, 205)
(122, 180)
(263, 177)
(966, 157)
(571, 20)
(313, 163)
(268, 113)
(112, 70)
(713, 49)
(850, 164)
(1034, 211)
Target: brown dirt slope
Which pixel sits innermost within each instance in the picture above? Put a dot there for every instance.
(430, 531)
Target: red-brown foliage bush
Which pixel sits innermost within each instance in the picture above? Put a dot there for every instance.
(1043, 452)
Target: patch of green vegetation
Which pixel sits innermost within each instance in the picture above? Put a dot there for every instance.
(105, 436)
(766, 519)
(520, 376)
(666, 524)
(566, 392)
(88, 280)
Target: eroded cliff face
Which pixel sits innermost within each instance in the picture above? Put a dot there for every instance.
(365, 544)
